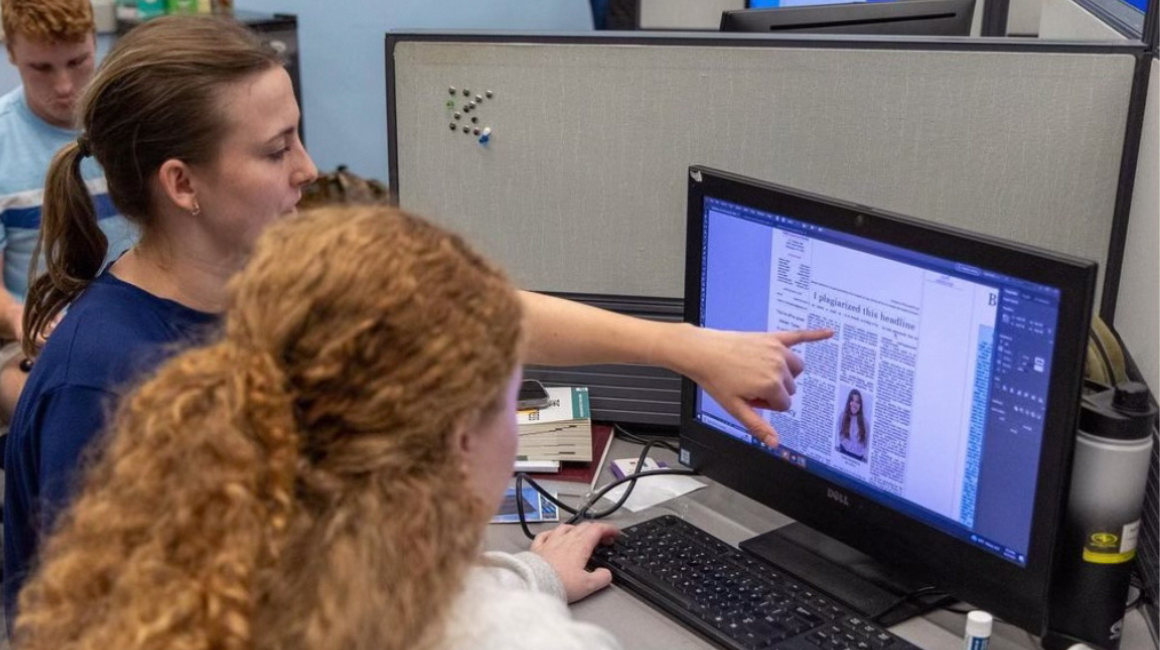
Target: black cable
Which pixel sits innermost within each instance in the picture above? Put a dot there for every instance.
(1135, 602)
(630, 479)
(583, 512)
(648, 445)
(621, 432)
(520, 514)
(902, 600)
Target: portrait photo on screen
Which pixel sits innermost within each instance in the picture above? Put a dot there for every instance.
(853, 428)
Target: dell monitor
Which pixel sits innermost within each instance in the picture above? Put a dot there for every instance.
(929, 441)
(899, 18)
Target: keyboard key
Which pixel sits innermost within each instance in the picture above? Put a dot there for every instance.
(808, 615)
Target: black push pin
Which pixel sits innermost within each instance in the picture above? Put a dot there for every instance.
(467, 129)
(479, 98)
(457, 116)
(453, 126)
(474, 119)
(466, 92)
(488, 93)
(451, 90)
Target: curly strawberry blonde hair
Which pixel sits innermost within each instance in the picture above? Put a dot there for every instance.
(47, 21)
(295, 485)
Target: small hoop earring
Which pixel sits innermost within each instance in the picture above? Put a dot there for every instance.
(196, 209)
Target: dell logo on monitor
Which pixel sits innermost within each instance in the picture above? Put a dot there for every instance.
(837, 496)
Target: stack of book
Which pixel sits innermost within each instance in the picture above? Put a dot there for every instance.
(558, 432)
(559, 445)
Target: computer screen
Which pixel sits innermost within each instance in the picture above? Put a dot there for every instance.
(933, 431)
(898, 17)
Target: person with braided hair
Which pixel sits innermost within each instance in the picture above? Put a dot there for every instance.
(320, 475)
(194, 121)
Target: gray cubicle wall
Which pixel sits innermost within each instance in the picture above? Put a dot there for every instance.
(582, 186)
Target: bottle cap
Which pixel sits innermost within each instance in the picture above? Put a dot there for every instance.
(979, 624)
(1131, 396)
(1120, 413)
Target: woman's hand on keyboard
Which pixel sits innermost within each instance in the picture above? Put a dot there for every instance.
(567, 548)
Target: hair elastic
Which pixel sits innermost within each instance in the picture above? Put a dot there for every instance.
(83, 146)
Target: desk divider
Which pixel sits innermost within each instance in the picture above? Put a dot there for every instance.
(581, 185)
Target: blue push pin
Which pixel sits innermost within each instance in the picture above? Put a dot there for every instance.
(485, 136)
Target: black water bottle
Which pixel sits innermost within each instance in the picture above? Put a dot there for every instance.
(1113, 449)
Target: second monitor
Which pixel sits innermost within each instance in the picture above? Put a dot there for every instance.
(901, 18)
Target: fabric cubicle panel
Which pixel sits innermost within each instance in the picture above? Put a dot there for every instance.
(1137, 312)
(684, 14)
(582, 186)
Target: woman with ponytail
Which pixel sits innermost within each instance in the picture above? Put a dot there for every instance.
(195, 124)
(321, 476)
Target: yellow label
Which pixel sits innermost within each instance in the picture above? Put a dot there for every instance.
(1104, 547)
(1108, 558)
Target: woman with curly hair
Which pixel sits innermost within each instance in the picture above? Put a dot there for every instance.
(321, 475)
(195, 124)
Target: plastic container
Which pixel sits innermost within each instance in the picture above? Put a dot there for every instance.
(977, 636)
(1113, 449)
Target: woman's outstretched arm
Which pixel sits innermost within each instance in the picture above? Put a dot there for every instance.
(741, 370)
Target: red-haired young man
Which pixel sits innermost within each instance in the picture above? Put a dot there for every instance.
(52, 44)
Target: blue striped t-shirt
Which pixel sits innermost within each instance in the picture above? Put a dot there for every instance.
(27, 145)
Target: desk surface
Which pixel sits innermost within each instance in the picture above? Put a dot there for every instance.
(733, 517)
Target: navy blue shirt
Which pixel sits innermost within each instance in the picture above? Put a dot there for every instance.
(113, 335)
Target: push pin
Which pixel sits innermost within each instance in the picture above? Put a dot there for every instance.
(475, 131)
(449, 104)
(451, 90)
(466, 93)
(479, 98)
(467, 129)
(485, 135)
(474, 119)
(457, 116)
(488, 93)
(453, 126)
(471, 103)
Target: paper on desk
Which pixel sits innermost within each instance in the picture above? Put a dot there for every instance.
(651, 490)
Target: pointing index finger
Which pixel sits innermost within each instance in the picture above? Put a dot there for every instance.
(793, 337)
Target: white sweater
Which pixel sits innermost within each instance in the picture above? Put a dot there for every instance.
(515, 602)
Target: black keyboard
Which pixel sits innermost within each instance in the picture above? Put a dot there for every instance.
(731, 598)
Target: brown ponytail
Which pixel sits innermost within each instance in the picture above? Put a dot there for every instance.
(73, 245)
(153, 99)
(297, 484)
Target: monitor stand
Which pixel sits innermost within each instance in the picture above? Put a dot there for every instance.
(866, 585)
